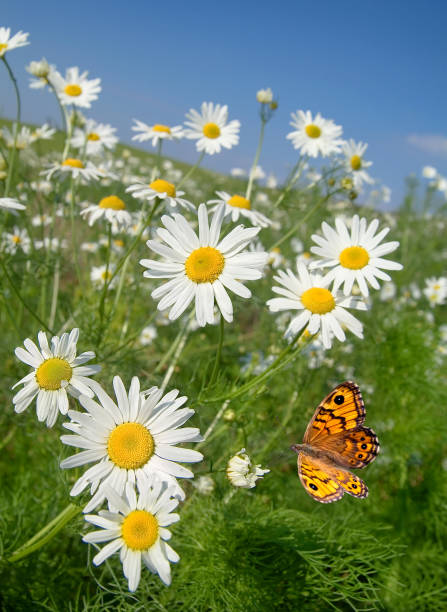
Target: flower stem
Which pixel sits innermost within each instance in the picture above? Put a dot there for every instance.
(15, 128)
(191, 170)
(178, 352)
(218, 353)
(256, 159)
(46, 534)
(156, 168)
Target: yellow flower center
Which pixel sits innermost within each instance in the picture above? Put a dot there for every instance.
(163, 187)
(163, 129)
(16, 239)
(130, 446)
(52, 372)
(139, 530)
(73, 90)
(93, 136)
(113, 202)
(436, 287)
(73, 163)
(3, 47)
(318, 300)
(354, 257)
(313, 131)
(118, 243)
(204, 265)
(239, 202)
(106, 275)
(211, 130)
(356, 162)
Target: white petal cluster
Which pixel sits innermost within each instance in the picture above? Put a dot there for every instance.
(242, 473)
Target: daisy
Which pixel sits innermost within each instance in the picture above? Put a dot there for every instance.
(242, 473)
(17, 239)
(265, 96)
(162, 189)
(75, 88)
(210, 128)
(201, 267)
(8, 43)
(315, 136)
(130, 439)
(137, 530)
(157, 132)
(95, 137)
(237, 205)
(111, 208)
(322, 310)
(148, 335)
(11, 204)
(21, 141)
(355, 164)
(44, 132)
(436, 290)
(354, 257)
(102, 274)
(56, 371)
(77, 168)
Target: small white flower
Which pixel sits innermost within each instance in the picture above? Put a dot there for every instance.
(242, 473)
(162, 189)
(201, 267)
(355, 257)
(156, 132)
(137, 530)
(315, 136)
(321, 310)
(75, 89)
(429, 172)
(99, 275)
(94, 137)
(130, 439)
(75, 167)
(111, 208)
(211, 128)
(148, 335)
(8, 42)
(238, 206)
(11, 204)
(265, 96)
(17, 239)
(56, 371)
(355, 164)
(436, 290)
(44, 132)
(204, 485)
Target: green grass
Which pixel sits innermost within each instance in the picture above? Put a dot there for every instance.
(272, 547)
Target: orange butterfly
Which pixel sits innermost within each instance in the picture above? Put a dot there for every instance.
(335, 440)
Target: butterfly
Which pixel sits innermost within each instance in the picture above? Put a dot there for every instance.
(336, 440)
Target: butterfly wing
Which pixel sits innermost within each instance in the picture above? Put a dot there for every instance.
(351, 483)
(316, 480)
(354, 449)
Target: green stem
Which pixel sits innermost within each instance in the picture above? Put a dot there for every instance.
(15, 128)
(218, 352)
(102, 302)
(178, 352)
(46, 534)
(256, 159)
(61, 107)
(278, 431)
(69, 121)
(156, 169)
(73, 232)
(55, 293)
(22, 301)
(290, 183)
(191, 170)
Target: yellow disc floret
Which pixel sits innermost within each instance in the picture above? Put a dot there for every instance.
(318, 300)
(3, 47)
(73, 90)
(211, 130)
(130, 446)
(73, 163)
(16, 239)
(313, 131)
(163, 187)
(239, 202)
(113, 202)
(52, 372)
(354, 257)
(93, 136)
(204, 265)
(139, 530)
(163, 129)
(356, 162)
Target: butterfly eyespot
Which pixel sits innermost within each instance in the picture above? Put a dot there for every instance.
(312, 486)
(339, 399)
(360, 455)
(362, 439)
(354, 486)
(364, 446)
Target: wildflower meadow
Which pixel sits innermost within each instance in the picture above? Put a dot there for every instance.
(219, 392)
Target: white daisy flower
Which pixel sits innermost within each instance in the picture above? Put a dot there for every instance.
(8, 42)
(236, 206)
(138, 531)
(355, 164)
(43, 72)
(322, 310)
(130, 439)
(75, 88)
(44, 132)
(162, 189)
(355, 257)
(435, 290)
(148, 335)
(17, 239)
(265, 96)
(51, 244)
(210, 128)
(156, 132)
(100, 274)
(56, 371)
(201, 267)
(315, 136)
(242, 473)
(11, 204)
(111, 208)
(77, 168)
(22, 140)
(95, 137)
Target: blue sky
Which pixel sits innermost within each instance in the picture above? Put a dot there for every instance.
(377, 68)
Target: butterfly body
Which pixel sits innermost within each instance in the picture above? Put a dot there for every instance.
(334, 441)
